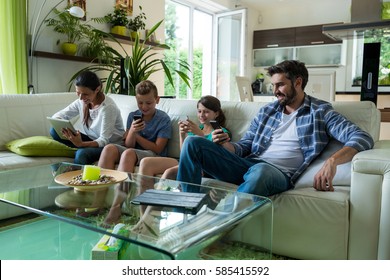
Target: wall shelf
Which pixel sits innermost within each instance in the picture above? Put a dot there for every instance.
(127, 40)
(122, 39)
(63, 56)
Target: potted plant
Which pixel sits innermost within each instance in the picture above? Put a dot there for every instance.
(136, 24)
(69, 25)
(118, 20)
(138, 66)
(96, 47)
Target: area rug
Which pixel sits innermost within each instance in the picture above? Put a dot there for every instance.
(219, 250)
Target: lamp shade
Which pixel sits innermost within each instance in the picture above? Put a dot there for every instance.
(76, 11)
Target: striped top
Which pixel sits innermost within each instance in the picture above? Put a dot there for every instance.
(317, 123)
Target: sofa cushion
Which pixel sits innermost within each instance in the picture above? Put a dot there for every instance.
(310, 224)
(343, 173)
(40, 146)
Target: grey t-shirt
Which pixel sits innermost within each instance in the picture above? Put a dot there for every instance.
(158, 127)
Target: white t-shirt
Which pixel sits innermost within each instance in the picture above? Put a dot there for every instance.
(284, 151)
(105, 126)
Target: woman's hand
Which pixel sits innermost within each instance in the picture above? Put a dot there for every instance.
(75, 138)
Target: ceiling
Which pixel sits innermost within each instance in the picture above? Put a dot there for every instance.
(258, 4)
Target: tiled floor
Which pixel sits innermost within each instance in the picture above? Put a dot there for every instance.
(46, 239)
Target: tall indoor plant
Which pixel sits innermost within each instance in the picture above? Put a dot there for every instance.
(138, 66)
(95, 46)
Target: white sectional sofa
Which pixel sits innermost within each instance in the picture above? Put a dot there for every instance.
(353, 222)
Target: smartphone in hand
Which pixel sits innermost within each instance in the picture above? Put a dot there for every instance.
(137, 117)
(215, 124)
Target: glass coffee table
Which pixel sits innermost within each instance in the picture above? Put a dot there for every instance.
(145, 217)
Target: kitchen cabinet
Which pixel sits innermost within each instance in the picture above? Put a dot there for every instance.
(274, 38)
(320, 55)
(312, 35)
(306, 43)
(293, 36)
(271, 56)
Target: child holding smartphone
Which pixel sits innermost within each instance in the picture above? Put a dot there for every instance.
(209, 110)
(147, 134)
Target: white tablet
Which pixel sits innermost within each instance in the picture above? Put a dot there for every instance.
(59, 124)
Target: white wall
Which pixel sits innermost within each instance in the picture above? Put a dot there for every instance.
(52, 75)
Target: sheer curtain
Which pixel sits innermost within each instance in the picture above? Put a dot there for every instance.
(13, 52)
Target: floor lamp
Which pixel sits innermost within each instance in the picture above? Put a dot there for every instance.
(35, 31)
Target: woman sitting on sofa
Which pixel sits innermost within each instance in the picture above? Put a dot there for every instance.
(101, 120)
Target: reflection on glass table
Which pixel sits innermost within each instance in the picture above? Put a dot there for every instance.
(147, 217)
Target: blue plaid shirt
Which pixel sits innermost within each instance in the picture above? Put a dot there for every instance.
(317, 122)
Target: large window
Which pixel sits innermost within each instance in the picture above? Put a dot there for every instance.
(188, 31)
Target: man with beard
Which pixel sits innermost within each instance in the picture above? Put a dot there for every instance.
(282, 140)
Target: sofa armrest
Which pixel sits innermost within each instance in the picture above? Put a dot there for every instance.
(369, 234)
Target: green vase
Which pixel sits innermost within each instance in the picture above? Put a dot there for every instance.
(69, 48)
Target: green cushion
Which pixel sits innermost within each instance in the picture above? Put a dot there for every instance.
(42, 146)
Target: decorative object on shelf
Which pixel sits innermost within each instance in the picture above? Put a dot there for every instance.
(257, 85)
(66, 23)
(35, 29)
(126, 5)
(136, 67)
(118, 20)
(136, 24)
(152, 37)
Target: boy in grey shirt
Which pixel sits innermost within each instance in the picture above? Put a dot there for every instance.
(147, 135)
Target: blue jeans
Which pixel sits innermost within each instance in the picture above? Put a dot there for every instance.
(253, 176)
(83, 155)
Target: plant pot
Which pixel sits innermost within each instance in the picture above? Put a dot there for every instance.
(69, 48)
(133, 35)
(120, 30)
